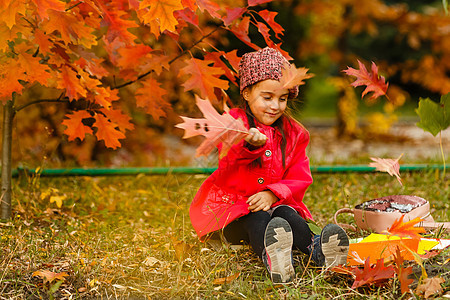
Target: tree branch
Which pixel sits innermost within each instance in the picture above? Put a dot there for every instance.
(64, 100)
(171, 61)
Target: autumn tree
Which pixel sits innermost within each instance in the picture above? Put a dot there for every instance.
(91, 56)
(408, 40)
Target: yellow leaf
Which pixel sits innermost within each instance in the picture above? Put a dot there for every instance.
(58, 200)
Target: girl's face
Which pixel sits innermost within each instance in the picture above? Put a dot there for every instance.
(267, 100)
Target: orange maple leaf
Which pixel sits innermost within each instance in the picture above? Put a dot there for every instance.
(406, 229)
(106, 131)
(373, 82)
(203, 77)
(49, 276)
(215, 127)
(75, 127)
(370, 275)
(293, 76)
(391, 166)
(162, 11)
(150, 97)
(9, 9)
(44, 5)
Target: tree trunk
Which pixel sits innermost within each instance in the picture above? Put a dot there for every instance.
(8, 116)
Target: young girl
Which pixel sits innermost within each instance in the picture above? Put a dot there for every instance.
(256, 194)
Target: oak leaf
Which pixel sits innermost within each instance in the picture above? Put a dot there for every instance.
(162, 11)
(391, 166)
(75, 127)
(269, 17)
(215, 127)
(9, 10)
(373, 82)
(69, 81)
(218, 62)
(150, 96)
(203, 77)
(264, 30)
(44, 5)
(406, 229)
(241, 32)
(122, 120)
(402, 272)
(49, 276)
(210, 7)
(430, 286)
(257, 2)
(107, 132)
(371, 275)
(233, 14)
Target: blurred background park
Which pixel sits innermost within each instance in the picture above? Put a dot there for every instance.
(408, 40)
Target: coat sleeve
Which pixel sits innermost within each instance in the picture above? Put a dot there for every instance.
(296, 179)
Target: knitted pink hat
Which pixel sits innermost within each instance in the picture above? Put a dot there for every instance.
(260, 65)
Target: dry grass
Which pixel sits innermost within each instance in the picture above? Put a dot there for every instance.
(130, 237)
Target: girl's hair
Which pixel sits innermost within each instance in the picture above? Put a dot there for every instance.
(278, 124)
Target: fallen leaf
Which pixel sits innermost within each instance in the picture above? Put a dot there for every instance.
(391, 166)
(402, 273)
(430, 286)
(49, 276)
(226, 279)
(370, 275)
(58, 200)
(215, 127)
(373, 82)
(181, 248)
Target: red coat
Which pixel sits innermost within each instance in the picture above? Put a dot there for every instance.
(222, 197)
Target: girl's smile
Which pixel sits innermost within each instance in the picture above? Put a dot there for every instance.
(267, 100)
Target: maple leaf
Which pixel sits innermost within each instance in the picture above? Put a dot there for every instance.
(215, 127)
(49, 276)
(75, 127)
(9, 9)
(150, 97)
(406, 229)
(430, 286)
(391, 166)
(203, 77)
(42, 40)
(107, 132)
(373, 82)
(44, 5)
(293, 76)
(162, 11)
(434, 117)
(370, 275)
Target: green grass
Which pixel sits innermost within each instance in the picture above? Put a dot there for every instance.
(130, 237)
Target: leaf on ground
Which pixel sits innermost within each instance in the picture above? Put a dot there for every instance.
(430, 286)
(293, 76)
(402, 272)
(49, 276)
(373, 82)
(228, 279)
(406, 229)
(371, 275)
(182, 249)
(434, 117)
(391, 166)
(58, 200)
(215, 127)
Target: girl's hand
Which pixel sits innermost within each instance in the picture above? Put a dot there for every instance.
(261, 201)
(255, 137)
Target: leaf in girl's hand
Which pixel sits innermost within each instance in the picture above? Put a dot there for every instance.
(370, 275)
(373, 82)
(391, 166)
(406, 229)
(292, 76)
(215, 127)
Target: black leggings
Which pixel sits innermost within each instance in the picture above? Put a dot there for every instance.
(250, 229)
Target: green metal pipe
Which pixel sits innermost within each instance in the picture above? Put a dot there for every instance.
(194, 170)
